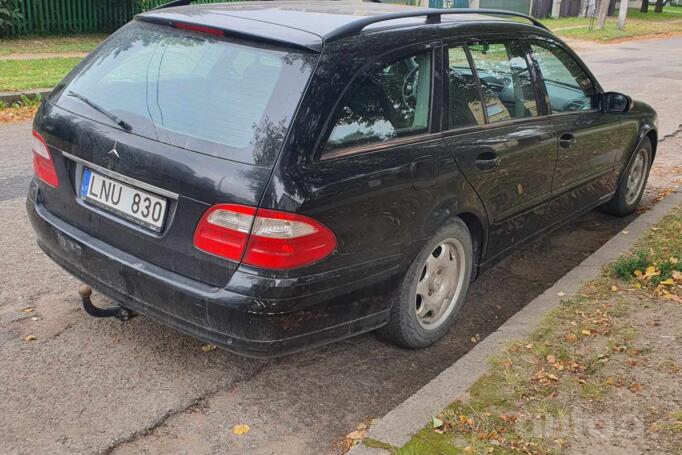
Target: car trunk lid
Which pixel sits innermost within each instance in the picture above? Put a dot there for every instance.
(188, 119)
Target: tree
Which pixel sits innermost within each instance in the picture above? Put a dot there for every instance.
(645, 6)
(622, 14)
(603, 12)
(659, 6)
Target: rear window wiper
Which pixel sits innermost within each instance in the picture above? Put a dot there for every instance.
(122, 123)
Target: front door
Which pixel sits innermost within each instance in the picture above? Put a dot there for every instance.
(504, 148)
(588, 138)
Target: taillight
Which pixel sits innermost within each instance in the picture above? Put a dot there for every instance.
(199, 28)
(43, 166)
(263, 238)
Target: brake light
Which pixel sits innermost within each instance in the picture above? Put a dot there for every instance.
(199, 28)
(263, 238)
(43, 166)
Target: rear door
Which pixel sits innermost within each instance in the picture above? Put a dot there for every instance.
(498, 137)
(588, 138)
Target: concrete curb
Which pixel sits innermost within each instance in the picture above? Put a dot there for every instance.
(397, 427)
(11, 97)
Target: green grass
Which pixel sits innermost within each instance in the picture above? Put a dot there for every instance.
(50, 44)
(24, 101)
(31, 74)
(637, 24)
(661, 249)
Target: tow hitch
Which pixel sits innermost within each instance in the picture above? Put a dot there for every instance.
(111, 312)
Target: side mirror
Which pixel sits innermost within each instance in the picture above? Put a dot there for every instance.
(616, 102)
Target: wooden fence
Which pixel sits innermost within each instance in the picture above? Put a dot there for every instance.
(78, 16)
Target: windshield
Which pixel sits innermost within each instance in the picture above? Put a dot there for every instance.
(223, 97)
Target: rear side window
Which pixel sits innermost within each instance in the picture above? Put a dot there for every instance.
(568, 86)
(392, 102)
(224, 97)
(465, 107)
(505, 78)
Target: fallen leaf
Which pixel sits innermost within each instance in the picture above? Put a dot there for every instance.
(570, 337)
(635, 387)
(551, 358)
(673, 297)
(637, 273)
(614, 288)
(468, 449)
(28, 309)
(677, 276)
(529, 346)
(651, 271)
(466, 420)
(585, 332)
(437, 423)
(356, 435)
(30, 338)
(561, 293)
(626, 232)
(668, 282)
(34, 318)
(241, 429)
(208, 347)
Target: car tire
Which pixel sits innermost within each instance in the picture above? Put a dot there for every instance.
(433, 289)
(632, 181)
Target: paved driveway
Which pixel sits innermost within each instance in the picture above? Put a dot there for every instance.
(99, 386)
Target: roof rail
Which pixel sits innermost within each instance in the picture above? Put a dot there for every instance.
(432, 17)
(174, 3)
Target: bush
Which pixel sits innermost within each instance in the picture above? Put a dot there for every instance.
(9, 15)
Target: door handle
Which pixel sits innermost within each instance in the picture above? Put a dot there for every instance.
(487, 160)
(566, 140)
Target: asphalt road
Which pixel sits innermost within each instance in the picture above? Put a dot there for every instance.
(99, 386)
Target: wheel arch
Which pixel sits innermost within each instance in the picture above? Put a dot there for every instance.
(652, 134)
(479, 232)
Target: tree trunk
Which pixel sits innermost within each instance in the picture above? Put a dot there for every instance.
(603, 12)
(645, 6)
(659, 6)
(622, 14)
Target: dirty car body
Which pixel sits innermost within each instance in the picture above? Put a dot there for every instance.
(188, 111)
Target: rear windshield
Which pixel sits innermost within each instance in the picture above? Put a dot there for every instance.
(219, 96)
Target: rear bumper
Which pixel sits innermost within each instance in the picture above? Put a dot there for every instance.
(245, 324)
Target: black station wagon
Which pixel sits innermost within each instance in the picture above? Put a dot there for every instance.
(272, 176)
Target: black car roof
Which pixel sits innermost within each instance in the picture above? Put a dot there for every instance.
(303, 23)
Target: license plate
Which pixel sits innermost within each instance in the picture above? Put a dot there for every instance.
(124, 200)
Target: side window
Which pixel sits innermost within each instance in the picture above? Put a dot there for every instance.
(505, 78)
(568, 87)
(391, 102)
(465, 107)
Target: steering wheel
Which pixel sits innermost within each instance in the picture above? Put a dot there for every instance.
(409, 92)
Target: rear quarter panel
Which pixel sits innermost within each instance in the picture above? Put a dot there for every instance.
(368, 199)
